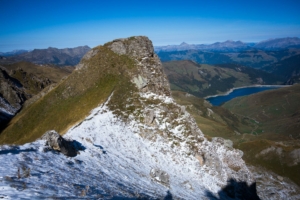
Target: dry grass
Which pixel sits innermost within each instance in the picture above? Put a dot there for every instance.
(72, 100)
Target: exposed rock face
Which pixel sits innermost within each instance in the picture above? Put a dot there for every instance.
(12, 96)
(12, 91)
(150, 76)
(58, 143)
(87, 56)
(15, 88)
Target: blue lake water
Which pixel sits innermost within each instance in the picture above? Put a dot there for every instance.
(218, 100)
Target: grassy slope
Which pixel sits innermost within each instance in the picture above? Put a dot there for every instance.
(277, 112)
(53, 73)
(203, 80)
(274, 116)
(72, 99)
(41, 73)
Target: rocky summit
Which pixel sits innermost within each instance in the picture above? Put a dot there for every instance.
(136, 142)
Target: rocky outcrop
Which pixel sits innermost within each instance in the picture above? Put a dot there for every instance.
(58, 143)
(12, 91)
(160, 176)
(150, 76)
(17, 86)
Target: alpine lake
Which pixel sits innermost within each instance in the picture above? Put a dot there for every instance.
(218, 100)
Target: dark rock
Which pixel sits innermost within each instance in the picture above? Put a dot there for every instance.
(58, 143)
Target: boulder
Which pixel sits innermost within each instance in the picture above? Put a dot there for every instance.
(58, 143)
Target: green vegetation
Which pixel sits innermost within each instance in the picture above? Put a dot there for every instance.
(73, 98)
(52, 72)
(276, 112)
(275, 120)
(34, 77)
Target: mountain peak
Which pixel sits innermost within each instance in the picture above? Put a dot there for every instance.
(135, 47)
(149, 76)
(117, 105)
(184, 44)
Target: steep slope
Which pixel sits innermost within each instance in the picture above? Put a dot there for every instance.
(62, 57)
(71, 100)
(203, 80)
(21, 81)
(273, 140)
(137, 142)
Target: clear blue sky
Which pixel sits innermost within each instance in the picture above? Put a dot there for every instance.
(29, 24)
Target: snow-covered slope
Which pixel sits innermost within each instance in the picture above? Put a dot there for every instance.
(117, 161)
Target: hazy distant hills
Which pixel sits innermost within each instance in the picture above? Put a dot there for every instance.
(251, 58)
(279, 56)
(62, 57)
(229, 45)
(14, 52)
(279, 43)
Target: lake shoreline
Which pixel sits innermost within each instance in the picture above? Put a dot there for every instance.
(249, 86)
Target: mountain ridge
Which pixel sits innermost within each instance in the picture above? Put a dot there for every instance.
(51, 55)
(230, 45)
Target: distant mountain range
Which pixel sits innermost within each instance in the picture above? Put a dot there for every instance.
(279, 43)
(14, 52)
(62, 57)
(229, 45)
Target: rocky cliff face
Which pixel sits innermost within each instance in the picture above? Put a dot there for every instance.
(149, 76)
(137, 144)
